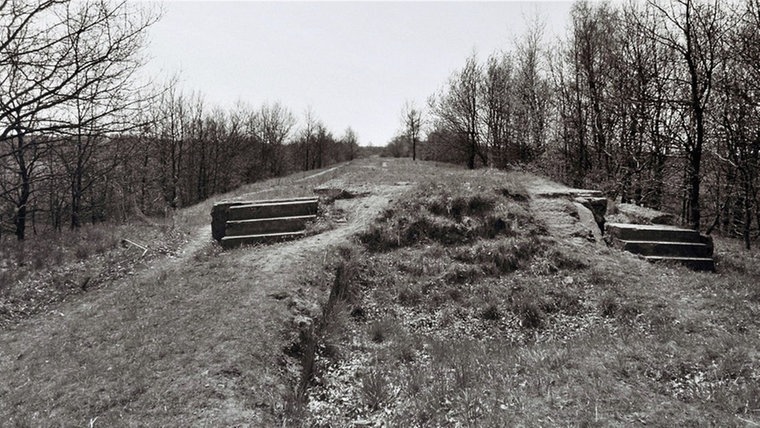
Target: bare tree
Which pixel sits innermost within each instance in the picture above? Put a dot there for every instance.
(350, 142)
(738, 97)
(456, 111)
(694, 31)
(62, 66)
(274, 125)
(411, 117)
(532, 92)
(497, 107)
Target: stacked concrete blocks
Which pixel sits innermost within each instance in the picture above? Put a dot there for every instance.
(663, 243)
(257, 222)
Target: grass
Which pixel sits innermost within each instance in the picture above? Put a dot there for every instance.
(468, 328)
(498, 326)
(46, 269)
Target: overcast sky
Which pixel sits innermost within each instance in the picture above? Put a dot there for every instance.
(354, 63)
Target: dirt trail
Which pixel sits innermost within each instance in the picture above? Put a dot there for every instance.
(359, 213)
(195, 339)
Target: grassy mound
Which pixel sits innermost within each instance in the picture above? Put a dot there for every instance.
(454, 214)
(463, 311)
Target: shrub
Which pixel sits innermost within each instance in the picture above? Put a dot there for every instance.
(491, 312)
(437, 218)
(564, 260)
(608, 305)
(82, 252)
(460, 274)
(528, 309)
(502, 257)
(409, 295)
(562, 301)
(374, 390)
(380, 331)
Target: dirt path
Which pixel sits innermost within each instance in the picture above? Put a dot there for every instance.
(318, 174)
(193, 340)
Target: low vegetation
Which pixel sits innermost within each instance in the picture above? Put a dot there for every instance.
(453, 320)
(454, 307)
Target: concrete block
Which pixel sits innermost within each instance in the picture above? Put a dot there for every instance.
(267, 225)
(640, 232)
(229, 242)
(272, 209)
(668, 249)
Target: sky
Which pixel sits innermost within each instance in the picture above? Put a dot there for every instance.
(354, 64)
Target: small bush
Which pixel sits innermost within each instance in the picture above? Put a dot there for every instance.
(374, 390)
(345, 276)
(380, 331)
(734, 364)
(529, 309)
(409, 295)
(611, 306)
(563, 301)
(82, 252)
(608, 305)
(515, 195)
(564, 260)
(461, 274)
(491, 313)
(405, 350)
(502, 257)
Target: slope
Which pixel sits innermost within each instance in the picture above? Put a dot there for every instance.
(465, 308)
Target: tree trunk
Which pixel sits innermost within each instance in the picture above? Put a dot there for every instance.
(19, 219)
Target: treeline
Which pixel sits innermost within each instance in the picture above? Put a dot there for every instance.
(188, 152)
(657, 103)
(83, 139)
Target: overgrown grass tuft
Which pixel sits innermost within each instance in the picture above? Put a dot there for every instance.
(452, 215)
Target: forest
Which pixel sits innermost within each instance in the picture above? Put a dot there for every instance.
(656, 103)
(83, 138)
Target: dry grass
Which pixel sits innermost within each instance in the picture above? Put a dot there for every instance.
(46, 269)
(498, 329)
(516, 328)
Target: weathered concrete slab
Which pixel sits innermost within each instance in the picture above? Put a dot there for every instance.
(662, 243)
(643, 215)
(695, 263)
(229, 242)
(219, 217)
(272, 209)
(569, 193)
(235, 223)
(597, 205)
(666, 249)
(267, 225)
(588, 221)
(641, 232)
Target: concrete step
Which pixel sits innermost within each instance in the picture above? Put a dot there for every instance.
(665, 248)
(696, 263)
(656, 232)
(272, 210)
(219, 217)
(268, 238)
(275, 201)
(267, 225)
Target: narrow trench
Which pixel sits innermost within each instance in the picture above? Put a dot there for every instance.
(310, 338)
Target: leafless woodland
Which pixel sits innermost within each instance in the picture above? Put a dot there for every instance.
(656, 103)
